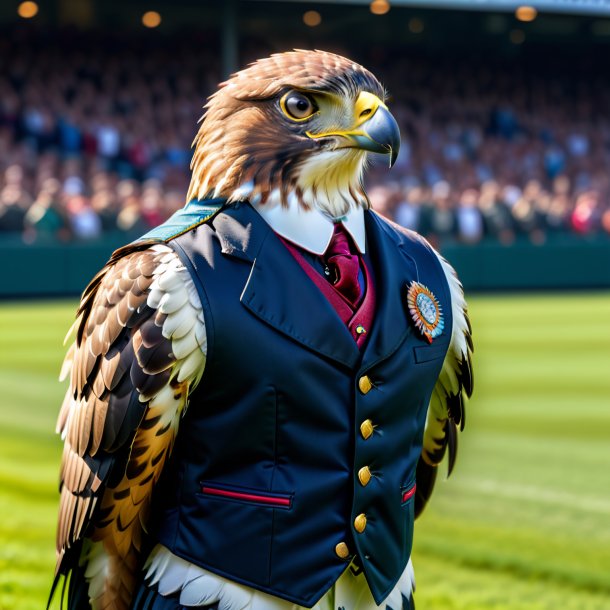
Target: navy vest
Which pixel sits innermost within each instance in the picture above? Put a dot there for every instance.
(264, 482)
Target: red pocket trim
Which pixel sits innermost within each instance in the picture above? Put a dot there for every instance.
(407, 495)
(248, 497)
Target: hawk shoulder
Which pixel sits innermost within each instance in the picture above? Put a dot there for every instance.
(139, 349)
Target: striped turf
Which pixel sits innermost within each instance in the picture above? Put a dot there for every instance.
(523, 524)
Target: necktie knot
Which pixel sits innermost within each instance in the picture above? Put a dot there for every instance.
(345, 263)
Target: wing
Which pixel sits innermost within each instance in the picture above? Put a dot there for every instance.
(139, 350)
(446, 410)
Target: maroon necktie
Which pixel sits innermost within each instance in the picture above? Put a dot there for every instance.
(344, 265)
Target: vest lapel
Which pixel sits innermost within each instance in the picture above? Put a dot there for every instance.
(278, 291)
(394, 271)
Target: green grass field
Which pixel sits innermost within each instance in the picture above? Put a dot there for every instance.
(524, 523)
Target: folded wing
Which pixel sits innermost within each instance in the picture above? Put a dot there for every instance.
(139, 350)
(446, 412)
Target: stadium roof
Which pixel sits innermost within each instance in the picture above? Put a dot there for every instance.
(580, 7)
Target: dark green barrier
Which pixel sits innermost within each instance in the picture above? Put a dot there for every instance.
(51, 269)
(64, 269)
(569, 263)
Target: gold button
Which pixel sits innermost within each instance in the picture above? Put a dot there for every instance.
(366, 428)
(360, 523)
(365, 385)
(364, 476)
(360, 329)
(342, 550)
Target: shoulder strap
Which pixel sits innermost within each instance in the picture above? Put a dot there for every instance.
(193, 214)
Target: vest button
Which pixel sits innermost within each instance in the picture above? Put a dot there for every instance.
(366, 428)
(365, 384)
(360, 523)
(342, 550)
(364, 475)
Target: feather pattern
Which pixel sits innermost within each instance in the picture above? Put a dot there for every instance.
(197, 587)
(139, 350)
(446, 412)
(140, 347)
(244, 141)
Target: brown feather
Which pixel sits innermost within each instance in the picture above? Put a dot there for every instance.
(241, 137)
(123, 313)
(85, 425)
(100, 407)
(102, 410)
(108, 368)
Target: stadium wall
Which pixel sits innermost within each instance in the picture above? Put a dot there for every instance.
(54, 270)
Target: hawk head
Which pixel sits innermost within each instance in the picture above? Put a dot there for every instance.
(295, 124)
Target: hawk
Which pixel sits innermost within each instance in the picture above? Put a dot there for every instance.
(261, 389)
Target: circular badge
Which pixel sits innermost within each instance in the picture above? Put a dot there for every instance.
(425, 311)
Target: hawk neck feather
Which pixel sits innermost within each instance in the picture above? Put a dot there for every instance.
(246, 149)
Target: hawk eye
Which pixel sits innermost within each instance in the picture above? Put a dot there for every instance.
(297, 106)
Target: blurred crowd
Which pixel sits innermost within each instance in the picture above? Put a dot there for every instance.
(95, 131)
(492, 211)
(95, 135)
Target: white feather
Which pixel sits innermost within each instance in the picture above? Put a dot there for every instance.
(182, 347)
(154, 297)
(199, 587)
(97, 567)
(172, 301)
(171, 579)
(177, 324)
(448, 382)
(170, 282)
(458, 347)
(173, 292)
(199, 591)
(191, 366)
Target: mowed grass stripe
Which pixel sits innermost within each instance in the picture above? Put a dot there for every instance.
(528, 502)
(31, 351)
(521, 525)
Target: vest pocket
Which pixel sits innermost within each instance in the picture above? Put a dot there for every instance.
(426, 353)
(407, 510)
(246, 495)
(408, 492)
(229, 529)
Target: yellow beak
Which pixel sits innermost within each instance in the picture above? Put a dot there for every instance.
(374, 129)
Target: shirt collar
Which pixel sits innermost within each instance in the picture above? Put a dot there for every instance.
(311, 229)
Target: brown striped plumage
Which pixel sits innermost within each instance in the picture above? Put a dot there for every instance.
(119, 421)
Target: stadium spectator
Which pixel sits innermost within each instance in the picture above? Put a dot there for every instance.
(409, 208)
(84, 221)
(469, 219)
(94, 140)
(495, 214)
(440, 214)
(46, 219)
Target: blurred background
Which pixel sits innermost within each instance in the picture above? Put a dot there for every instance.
(504, 166)
(506, 143)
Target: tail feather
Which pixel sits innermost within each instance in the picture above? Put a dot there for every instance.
(426, 477)
(452, 444)
(78, 594)
(427, 470)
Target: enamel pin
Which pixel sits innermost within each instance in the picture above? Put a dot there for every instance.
(425, 311)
